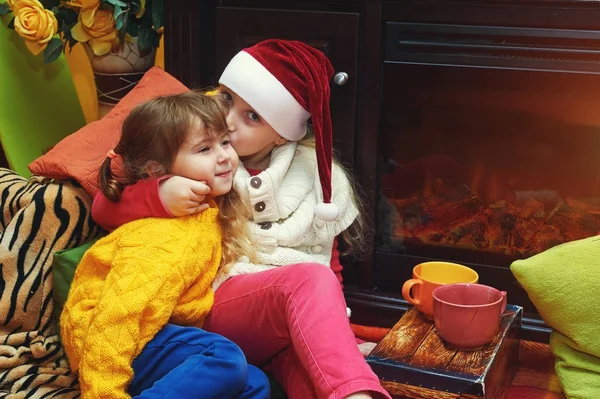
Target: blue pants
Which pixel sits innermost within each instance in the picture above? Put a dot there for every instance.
(189, 363)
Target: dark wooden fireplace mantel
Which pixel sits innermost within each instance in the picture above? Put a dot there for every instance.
(201, 36)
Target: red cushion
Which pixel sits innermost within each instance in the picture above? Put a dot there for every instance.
(369, 333)
(81, 154)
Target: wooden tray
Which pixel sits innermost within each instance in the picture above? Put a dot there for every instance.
(412, 361)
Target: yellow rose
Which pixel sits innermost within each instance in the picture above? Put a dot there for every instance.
(11, 4)
(87, 10)
(83, 3)
(35, 24)
(101, 34)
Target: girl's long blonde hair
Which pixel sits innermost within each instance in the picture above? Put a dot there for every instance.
(152, 135)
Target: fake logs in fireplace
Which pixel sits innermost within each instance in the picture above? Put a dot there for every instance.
(459, 218)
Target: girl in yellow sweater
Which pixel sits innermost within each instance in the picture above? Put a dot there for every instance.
(132, 322)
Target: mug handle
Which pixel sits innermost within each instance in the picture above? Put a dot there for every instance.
(504, 299)
(407, 286)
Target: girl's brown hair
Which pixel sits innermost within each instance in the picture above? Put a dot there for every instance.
(151, 137)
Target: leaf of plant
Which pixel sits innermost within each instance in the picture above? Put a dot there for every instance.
(157, 13)
(134, 7)
(146, 18)
(49, 4)
(132, 29)
(137, 6)
(11, 23)
(66, 30)
(71, 42)
(120, 15)
(145, 38)
(53, 50)
(117, 3)
(67, 15)
(4, 9)
(123, 31)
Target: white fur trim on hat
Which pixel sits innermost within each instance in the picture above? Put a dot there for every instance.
(327, 212)
(250, 80)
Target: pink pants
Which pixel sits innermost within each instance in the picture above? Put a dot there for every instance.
(294, 318)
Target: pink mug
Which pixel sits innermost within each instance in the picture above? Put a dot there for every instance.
(467, 316)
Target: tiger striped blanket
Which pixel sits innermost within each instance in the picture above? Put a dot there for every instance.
(38, 217)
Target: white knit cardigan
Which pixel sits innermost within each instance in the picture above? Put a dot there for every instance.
(283, 226)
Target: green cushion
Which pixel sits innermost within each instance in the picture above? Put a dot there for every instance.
(564, 285)
(64, 264)
(578, 371)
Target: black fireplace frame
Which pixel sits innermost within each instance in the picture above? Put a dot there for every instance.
(565, 53)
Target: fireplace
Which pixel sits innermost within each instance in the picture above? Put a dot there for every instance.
(489, 147)
(472, 126)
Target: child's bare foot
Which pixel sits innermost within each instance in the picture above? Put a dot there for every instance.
(366, 348)
(360, 395)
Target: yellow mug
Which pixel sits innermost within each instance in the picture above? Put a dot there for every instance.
(428, 276)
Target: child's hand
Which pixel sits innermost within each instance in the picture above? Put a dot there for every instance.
(182, 196)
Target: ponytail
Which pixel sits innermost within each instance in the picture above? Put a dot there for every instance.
(109, 185)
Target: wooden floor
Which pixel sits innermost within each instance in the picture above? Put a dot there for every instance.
(535, 378)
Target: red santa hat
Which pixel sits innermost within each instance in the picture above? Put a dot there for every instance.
(287, 82)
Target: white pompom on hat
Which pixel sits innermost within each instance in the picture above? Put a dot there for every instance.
(287, 82)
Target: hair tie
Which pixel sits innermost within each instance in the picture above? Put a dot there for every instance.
(111, 154)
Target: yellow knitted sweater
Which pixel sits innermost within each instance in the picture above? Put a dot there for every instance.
(128, 286)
